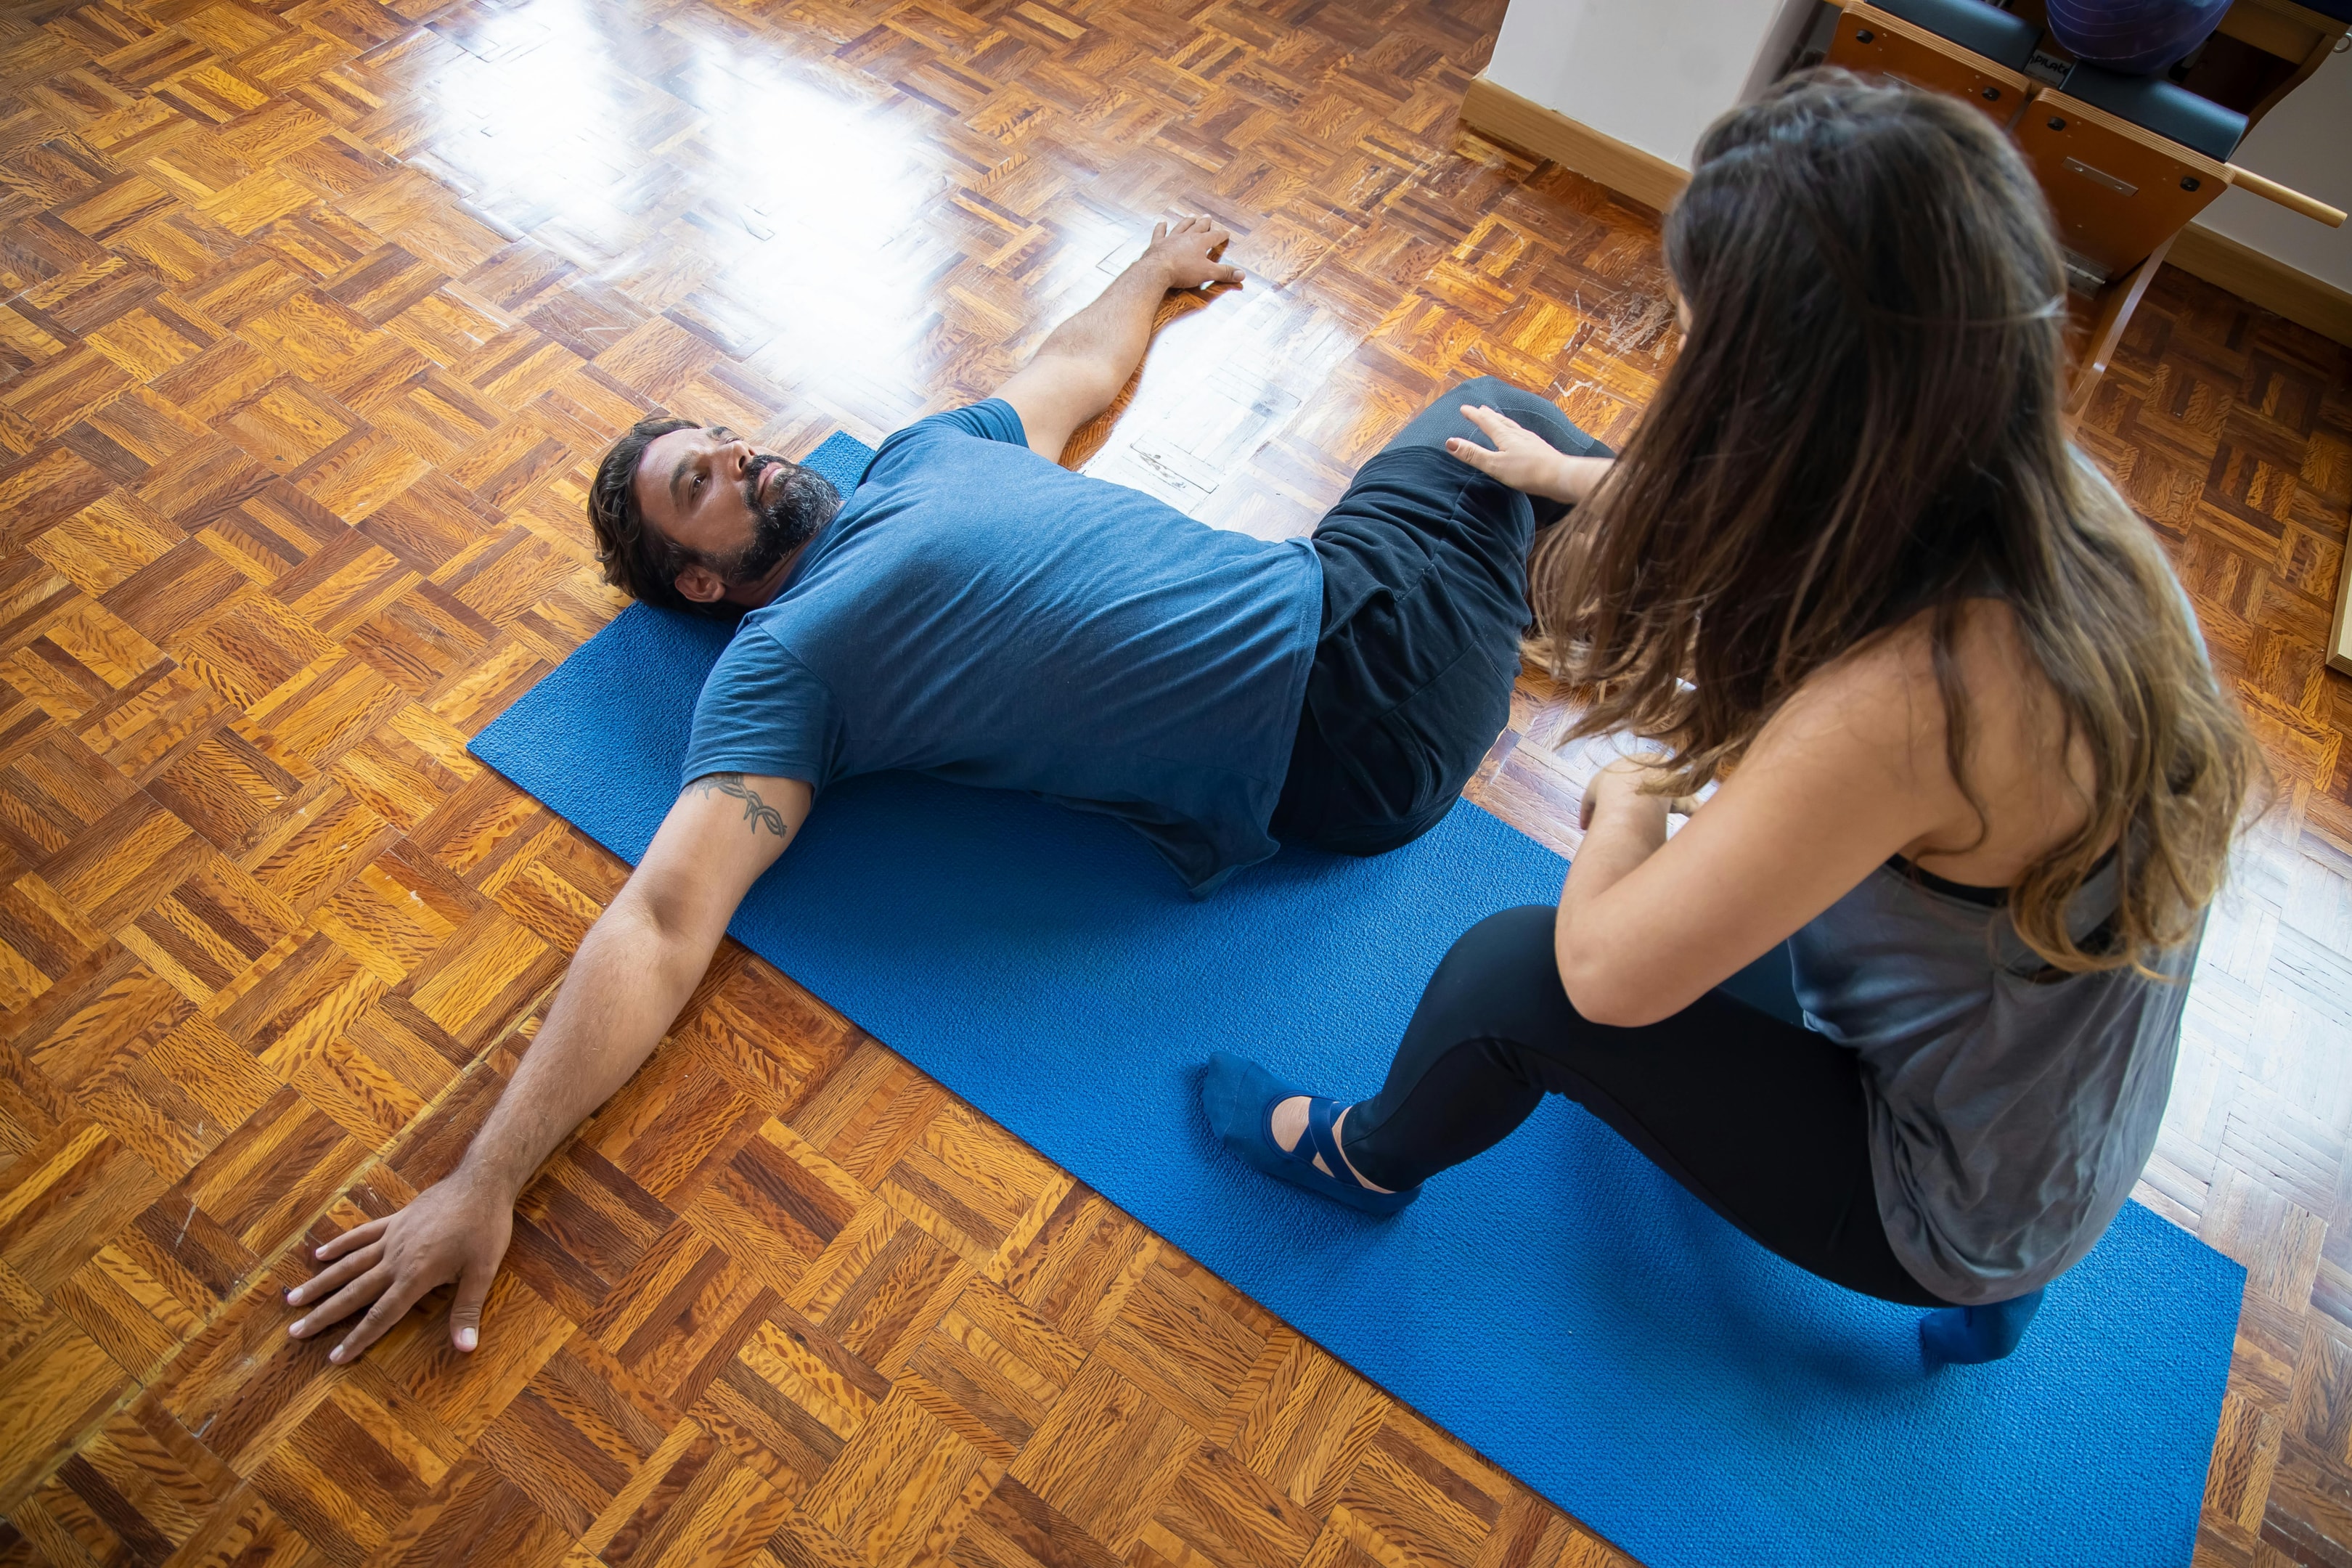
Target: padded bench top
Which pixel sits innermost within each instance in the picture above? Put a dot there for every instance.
(2158, 105)
(1988, 30)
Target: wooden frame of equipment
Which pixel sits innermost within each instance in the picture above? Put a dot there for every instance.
(1869, 39)
(2102, 328)
(2287, 30)
(2118, 191)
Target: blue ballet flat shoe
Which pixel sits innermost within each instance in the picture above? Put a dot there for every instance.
(1240, 1097)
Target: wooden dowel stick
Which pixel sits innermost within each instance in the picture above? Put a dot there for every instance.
(2309, 206)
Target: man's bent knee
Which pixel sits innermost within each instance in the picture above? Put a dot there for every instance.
(1483, 389)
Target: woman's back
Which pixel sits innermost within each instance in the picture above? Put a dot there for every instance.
(2029, 779)
(2012, 1106)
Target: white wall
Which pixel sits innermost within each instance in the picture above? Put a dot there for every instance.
(2305, 142)
(1651, 73)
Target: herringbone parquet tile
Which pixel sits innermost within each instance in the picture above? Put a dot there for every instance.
(314, 315)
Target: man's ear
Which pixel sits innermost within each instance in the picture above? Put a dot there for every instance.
(700, 584)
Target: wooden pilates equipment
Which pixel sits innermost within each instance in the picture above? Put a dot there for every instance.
(2120, 186)
(1871, 40)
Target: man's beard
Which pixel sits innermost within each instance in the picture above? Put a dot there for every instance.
(804, 502)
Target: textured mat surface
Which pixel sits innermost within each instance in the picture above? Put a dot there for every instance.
(1558, 1304)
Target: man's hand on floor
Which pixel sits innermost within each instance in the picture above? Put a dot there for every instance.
(453, 1231)
(1187, 253)
(634, 969)
(1082, 364)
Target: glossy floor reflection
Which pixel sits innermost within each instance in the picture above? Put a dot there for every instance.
(316, 317)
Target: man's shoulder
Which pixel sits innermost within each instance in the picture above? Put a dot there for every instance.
(763, 710)
(760, 670)
(976, 432)
(762, 645)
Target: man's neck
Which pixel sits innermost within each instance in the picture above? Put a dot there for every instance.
(752, 596)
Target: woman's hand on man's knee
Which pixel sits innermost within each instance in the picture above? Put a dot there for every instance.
(1525, 460)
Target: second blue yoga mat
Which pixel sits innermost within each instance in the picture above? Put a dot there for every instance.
(1558, 1304)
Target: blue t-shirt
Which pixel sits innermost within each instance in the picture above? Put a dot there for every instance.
(979, 614)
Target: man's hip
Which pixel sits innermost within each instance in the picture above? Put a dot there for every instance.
(1424, 599)
(1424, 603)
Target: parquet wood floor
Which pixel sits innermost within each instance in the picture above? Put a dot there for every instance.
(316, 313)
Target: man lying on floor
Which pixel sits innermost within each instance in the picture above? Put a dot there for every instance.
(978, 613)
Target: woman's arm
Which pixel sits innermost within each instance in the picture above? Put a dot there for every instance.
(1849, 771)
(1525, 460)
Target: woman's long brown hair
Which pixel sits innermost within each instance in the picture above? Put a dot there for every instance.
(1864, 424)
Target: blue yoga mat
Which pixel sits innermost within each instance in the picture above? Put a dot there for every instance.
(1558, 1304)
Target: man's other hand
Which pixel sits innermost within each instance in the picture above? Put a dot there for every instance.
(453, 1231)
(1187, 253)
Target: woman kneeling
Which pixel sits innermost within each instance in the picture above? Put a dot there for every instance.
(1901, 998)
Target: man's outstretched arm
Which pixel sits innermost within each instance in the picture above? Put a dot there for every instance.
(634, 969)
(1083, 363)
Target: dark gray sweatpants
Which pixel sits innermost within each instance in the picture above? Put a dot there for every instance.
(1424, 599)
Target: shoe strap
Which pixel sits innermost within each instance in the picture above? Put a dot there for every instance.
(1320, 1115)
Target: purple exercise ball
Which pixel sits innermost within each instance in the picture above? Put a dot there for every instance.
(2138, 37)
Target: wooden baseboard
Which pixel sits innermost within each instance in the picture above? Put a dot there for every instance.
(2339, 635)
(1500, 114)
(2263, 281)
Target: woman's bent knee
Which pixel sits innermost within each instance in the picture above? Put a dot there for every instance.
(1508, 931)
(1500, 977)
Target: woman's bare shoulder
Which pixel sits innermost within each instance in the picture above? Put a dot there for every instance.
(1882, 696)
(2024, 787)
(1893, 679)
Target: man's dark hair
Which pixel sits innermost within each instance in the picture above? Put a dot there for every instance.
(638, 558)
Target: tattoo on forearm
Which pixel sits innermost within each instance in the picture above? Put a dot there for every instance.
(757, 812)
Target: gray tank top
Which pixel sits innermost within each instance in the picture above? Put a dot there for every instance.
(2010, 1111)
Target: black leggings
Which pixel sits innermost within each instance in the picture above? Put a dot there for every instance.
(1759, 1117)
